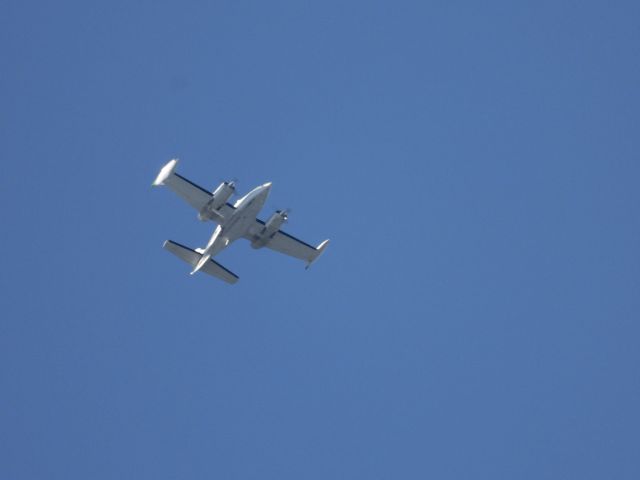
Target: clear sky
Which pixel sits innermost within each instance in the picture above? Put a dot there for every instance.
(475, 164)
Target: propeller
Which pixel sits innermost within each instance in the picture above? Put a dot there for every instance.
(232, 183)
(284, 212)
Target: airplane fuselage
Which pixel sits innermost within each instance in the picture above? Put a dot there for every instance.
(246, 211)
(235, 225)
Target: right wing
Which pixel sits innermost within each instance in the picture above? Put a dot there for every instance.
(288, 244)
(193, 194)
(192, 257)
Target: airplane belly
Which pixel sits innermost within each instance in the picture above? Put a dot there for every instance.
(244, 218)
(220, 244)
(240, 227)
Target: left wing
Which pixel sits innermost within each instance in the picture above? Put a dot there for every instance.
(193, 194)
(289, 245)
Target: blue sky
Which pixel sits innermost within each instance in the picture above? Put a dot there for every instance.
(475, 165)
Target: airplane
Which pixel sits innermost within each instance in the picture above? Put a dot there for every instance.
(237, 220)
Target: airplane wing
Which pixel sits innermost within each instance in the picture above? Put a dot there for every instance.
(289, 245)
(193, 194)
(192, 257)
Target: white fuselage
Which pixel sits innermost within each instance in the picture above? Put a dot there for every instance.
(238, 223)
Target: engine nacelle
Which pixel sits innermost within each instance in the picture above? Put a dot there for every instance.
(218, 199)
(270, 228)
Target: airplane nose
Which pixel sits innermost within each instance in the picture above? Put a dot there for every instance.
(267, 185)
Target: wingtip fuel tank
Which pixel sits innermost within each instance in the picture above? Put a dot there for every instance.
(165, 172)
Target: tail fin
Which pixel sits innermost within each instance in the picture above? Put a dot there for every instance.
(192, 257)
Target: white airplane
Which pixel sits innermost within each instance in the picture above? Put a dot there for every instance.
(238, 220)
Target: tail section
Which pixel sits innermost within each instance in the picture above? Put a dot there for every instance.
(193, 258)
(201, 263)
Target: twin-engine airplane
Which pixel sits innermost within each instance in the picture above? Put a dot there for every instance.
(238, 220)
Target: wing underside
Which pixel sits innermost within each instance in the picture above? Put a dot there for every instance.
(193, 194)
(288, 244)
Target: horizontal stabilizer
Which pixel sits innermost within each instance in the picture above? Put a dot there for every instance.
(192, 257)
